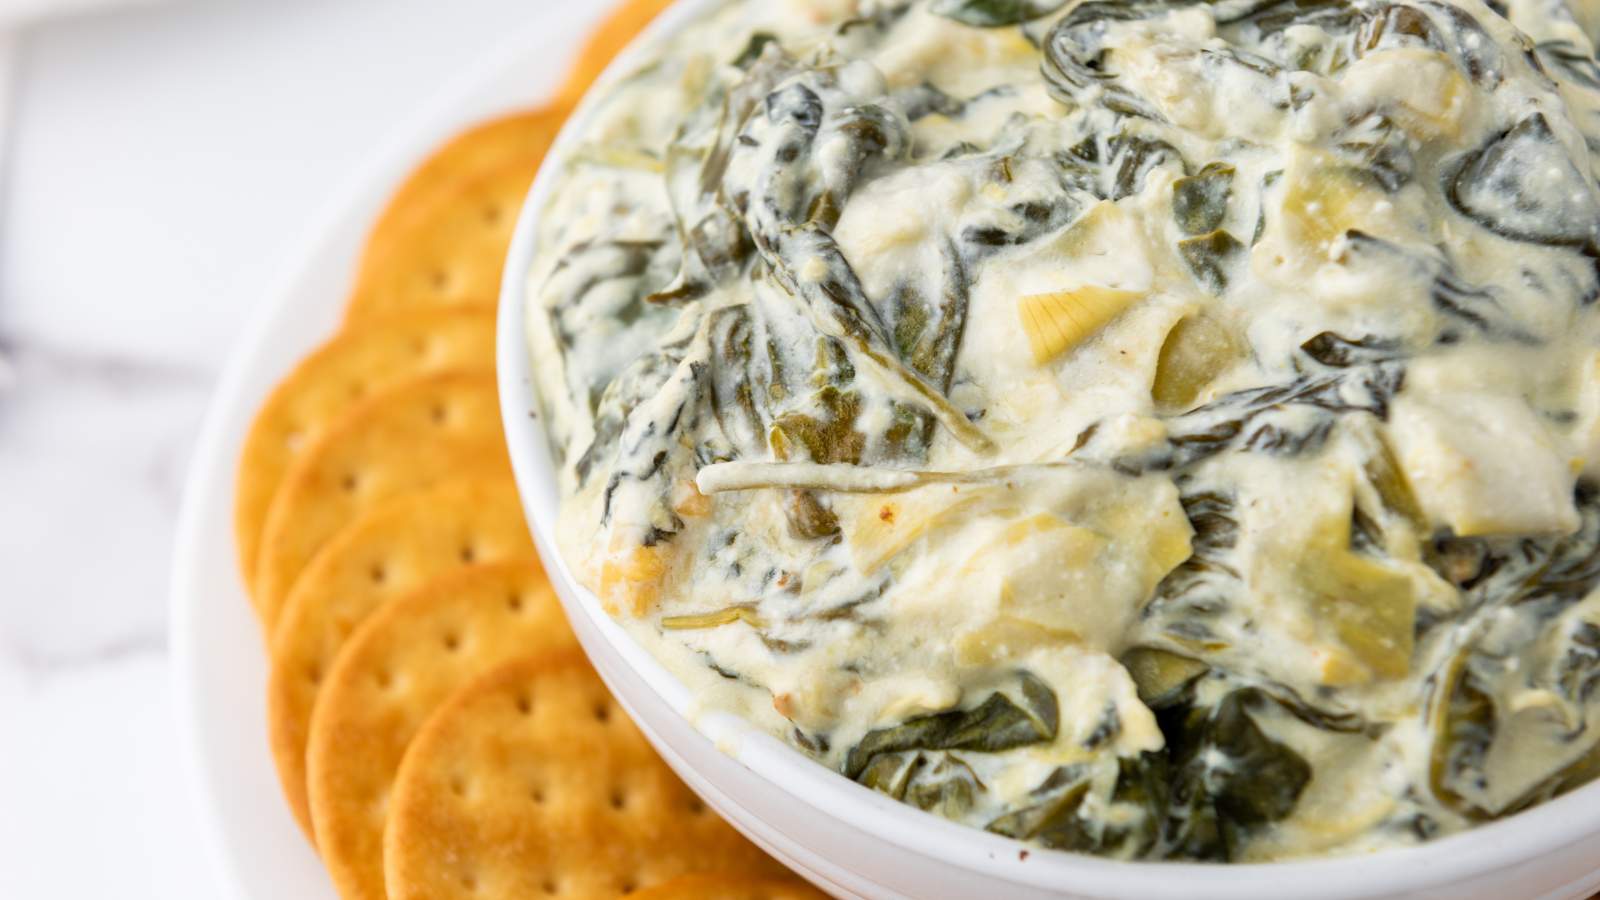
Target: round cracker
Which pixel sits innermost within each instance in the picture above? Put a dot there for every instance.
(531, 781)
(730, 887)
(355, 363)
(405, 660)
(419, 432)
(392, 550)
(451, 252)
(615, 33)
(520, 138)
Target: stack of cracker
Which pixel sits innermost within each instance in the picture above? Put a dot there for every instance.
(437, 732)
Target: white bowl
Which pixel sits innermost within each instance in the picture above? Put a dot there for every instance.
(855, 842)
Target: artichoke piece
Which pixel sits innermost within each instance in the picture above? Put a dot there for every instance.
(1388, 479)
(1485, 465)
(884, 529)
(1162, 677)
(1525, 186)
(1423, 89)
(1371, 608)
(694, 621)
(1007, 637)
(1196, 351)
(1210, 257)
(1462, 721)
(1487, 713)
(1576, 774)
(999, 723)
(1058, 321)
(1200, 201)
(1323, 199)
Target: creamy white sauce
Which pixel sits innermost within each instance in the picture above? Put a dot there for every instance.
(987, 364)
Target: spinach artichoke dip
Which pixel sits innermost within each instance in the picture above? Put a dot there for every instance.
(1162, 429)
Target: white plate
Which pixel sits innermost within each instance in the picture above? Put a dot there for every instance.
(219, 664)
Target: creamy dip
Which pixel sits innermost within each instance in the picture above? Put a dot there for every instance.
(1160, 429)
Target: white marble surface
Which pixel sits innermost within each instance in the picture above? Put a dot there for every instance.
(156, 167)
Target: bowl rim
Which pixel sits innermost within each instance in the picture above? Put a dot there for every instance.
(1525, 836)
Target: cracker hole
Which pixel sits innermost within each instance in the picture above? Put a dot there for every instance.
(378, 574)
(537, 793)
(357, 390)
(458, 786)
(492, 213)
(439, 279)
(697, 807)
(469, 553)
(439, 413)
(619, 800)
(602, 712)
(350, 482)
(550, 886)
(514, 602)
(419, 347)
(451, 641)
(628, 885)
(525, 704)
(314, 673)
(385, 680)
(469, 881)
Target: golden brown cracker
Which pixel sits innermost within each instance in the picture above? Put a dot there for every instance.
(352, 365)
(730, 887)
(517, 139)
(418, 432)
(615, 33)
(393, 549)
(531, 781)
(448, 253)
(405, 660)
